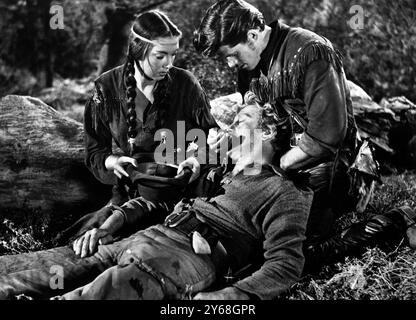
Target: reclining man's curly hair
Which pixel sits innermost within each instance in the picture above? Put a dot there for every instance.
(276, 128)
(226, 23)
(273, 126)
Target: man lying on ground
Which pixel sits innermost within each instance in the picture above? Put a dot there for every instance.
(253, 217)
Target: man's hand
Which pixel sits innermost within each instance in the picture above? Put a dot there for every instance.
(193, 164)
(229, 293)
(295, 158)
(86, 245)
(115, 163)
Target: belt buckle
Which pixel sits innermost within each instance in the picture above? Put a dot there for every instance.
(294, 139)
(175, 218)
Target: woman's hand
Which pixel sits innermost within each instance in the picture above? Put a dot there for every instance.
(250, 97)
(215, 138)
(229, 293)
(115, 163)
(193, 164)
(86, 245)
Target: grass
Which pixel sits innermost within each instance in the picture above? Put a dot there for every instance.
(18, 240)
(376, 275)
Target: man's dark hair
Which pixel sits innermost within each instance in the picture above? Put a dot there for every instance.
(226, 23)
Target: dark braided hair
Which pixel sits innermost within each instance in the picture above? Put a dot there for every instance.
(150, 25)
(131, 106)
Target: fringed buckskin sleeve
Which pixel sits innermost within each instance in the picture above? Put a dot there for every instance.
(200, 108)
(324, 97)
(97, 139)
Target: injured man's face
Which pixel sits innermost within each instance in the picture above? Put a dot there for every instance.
(247, 119)
(254, 129)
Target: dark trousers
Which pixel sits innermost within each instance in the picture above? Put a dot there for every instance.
(385, 230)
(330, 185)
(331, 200)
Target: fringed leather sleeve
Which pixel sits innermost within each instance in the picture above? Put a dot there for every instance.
(97, 138)
(324, 95)
(288, 81)
(313, 51)
(313, 73)
(200, 105)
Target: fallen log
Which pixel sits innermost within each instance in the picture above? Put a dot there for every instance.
(42, 169)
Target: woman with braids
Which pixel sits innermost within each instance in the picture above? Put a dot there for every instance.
(129, 104)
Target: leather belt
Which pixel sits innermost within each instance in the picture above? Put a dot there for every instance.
(187, 222)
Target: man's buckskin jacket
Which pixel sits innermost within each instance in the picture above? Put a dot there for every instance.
(302, 70)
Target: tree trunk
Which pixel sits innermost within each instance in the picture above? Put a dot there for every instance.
(47, 43)
(42, 169)
(38, 17)
(117, 31)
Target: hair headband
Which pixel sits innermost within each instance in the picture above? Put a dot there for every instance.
(142, 38)
(154, 42)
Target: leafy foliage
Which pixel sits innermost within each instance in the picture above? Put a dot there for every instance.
(381, 56)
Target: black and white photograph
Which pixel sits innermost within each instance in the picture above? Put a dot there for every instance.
(206, 150)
